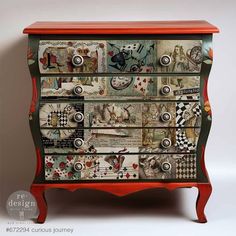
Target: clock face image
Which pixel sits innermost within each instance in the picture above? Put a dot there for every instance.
(57, 134)
(57, 115)
(119, 83)
(196, 54)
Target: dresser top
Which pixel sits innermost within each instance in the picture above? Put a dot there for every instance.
(121, 27)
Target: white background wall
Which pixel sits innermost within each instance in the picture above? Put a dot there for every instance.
(17, 157)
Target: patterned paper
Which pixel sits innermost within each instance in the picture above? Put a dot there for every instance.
(120, 166)
(131, 56)
(143, 140)
(186, 55)
(122, 87)
(55, 56)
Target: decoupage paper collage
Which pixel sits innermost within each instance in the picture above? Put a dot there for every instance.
(124, 87)
(121, 128)
(119, 56)
(120, 115)
(143, 140)
(120, 166)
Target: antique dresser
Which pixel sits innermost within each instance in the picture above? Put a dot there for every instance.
(120, 106)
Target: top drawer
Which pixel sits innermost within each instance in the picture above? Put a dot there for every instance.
(119, 56)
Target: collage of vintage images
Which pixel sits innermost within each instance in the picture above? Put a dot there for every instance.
(120, 166)
(120, 115)
(144, 140)
(119, 56)
(121, 126)
(122, 87)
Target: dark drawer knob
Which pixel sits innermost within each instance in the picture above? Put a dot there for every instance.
(166, 116)
(78, 117)
(77, 60)
(78, 90)
(166, 89)
(165, 60)
(165, 166)
(165, 142)
(78, 142)
(78, 166)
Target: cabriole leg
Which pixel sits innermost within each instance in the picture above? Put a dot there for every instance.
(38, 193)
(204, 192)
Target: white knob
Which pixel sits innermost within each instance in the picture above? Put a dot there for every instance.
(78, 166)
(166, 116)
(78, 142)
(165, 142)
(78, 117)
(77, 60)
(78, 90)
(166, 89)
(165, 166)
(165, 60)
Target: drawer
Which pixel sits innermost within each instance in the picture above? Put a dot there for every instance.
(153, 87)
(119, 56)
(120, 167)
(104, 114)
(105, 140)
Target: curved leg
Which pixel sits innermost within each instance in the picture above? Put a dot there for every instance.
(38, 193)
(204, 192)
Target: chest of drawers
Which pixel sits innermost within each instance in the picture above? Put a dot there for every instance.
(120, 106)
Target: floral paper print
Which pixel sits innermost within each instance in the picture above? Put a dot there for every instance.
(209, 55)
(60, 168)
(30, 56)
(91, 167)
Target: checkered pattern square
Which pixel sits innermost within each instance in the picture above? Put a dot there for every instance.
(182, 141)
(197, 110)
(62, 118)
(181, 107)
(186, 167)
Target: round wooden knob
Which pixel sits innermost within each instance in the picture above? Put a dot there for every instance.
(78, 142)
(78, 117)
(165, 60)
(166, 89)
(165, 142)
(166, 116)
(165, 166)
(77, 60)
(78, 166)
(78, 90)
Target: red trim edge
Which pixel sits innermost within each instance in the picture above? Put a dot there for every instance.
(39, 162)
(202, 163)
(34, 96)
(118, 189)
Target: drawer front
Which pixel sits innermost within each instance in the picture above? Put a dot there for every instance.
(106, 140)
(119, 56)
(120, 167)
(119, 115)
(123, 87)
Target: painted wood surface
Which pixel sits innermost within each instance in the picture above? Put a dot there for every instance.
(122, 27)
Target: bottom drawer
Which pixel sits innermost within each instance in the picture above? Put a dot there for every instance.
(120, 167)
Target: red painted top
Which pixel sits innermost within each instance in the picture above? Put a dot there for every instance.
(122, 27)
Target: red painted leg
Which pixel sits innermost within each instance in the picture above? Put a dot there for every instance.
(204, 192)
(38, 193)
